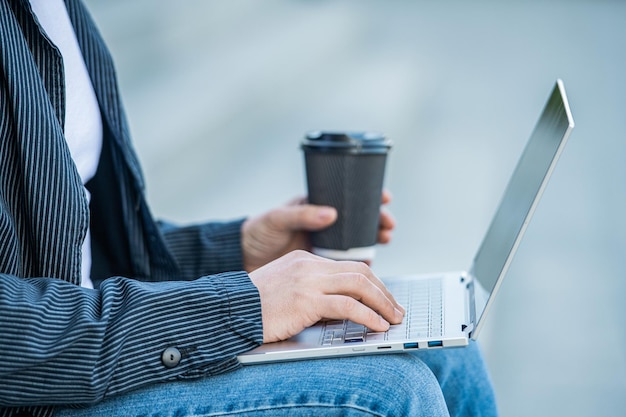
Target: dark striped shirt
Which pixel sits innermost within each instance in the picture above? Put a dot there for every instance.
(63, 344)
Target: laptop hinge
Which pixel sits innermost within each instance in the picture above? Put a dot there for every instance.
(469, 327)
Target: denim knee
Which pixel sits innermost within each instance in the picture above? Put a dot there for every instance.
(387, 385)
(464, 380)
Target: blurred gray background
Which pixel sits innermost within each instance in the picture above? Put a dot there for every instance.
(219, 94)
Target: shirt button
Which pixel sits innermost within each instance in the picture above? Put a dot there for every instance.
(170, 357)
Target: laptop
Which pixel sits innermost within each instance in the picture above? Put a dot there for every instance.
(447, 309)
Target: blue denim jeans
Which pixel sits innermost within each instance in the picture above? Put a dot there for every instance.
(429, 383)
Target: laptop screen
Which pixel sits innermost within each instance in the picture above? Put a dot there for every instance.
(522, 193)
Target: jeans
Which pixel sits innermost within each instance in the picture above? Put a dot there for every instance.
(427, 383)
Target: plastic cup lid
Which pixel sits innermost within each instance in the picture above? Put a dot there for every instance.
(352, 142)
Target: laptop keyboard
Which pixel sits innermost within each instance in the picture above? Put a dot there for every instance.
(423, 300)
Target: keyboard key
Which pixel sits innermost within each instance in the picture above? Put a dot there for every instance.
(375, 337)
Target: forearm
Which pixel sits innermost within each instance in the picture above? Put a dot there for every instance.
(205, 249)
(64, 344)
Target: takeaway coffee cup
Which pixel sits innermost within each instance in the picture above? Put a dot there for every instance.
(346, 170)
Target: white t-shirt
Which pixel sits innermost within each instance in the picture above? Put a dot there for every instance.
(83, 124)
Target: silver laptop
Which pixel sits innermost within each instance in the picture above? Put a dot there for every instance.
(447, 309)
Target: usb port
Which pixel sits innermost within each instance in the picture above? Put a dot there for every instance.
(435, 343)
(412, 345)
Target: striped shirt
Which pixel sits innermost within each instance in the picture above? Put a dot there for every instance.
(63, 344)
(82, 126)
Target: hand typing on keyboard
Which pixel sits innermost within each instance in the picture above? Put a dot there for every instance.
(300, 289)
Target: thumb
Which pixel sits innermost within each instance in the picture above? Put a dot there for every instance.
(304, 217)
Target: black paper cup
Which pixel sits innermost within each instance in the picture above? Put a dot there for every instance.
(346, 171)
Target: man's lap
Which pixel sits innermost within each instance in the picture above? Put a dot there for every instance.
(382, 385)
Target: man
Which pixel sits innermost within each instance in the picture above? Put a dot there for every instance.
(172, 306)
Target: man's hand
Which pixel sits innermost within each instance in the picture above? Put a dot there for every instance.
(282, 230)
(300, 289)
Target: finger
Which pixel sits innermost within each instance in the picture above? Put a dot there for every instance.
(386, 197)
(360, 288)
(386, 221)
(326, 267)
(303, 217)
(385, 227)
(381, 286)
(384, 236)
(339, 307)
(361, 268)
(364, 269)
